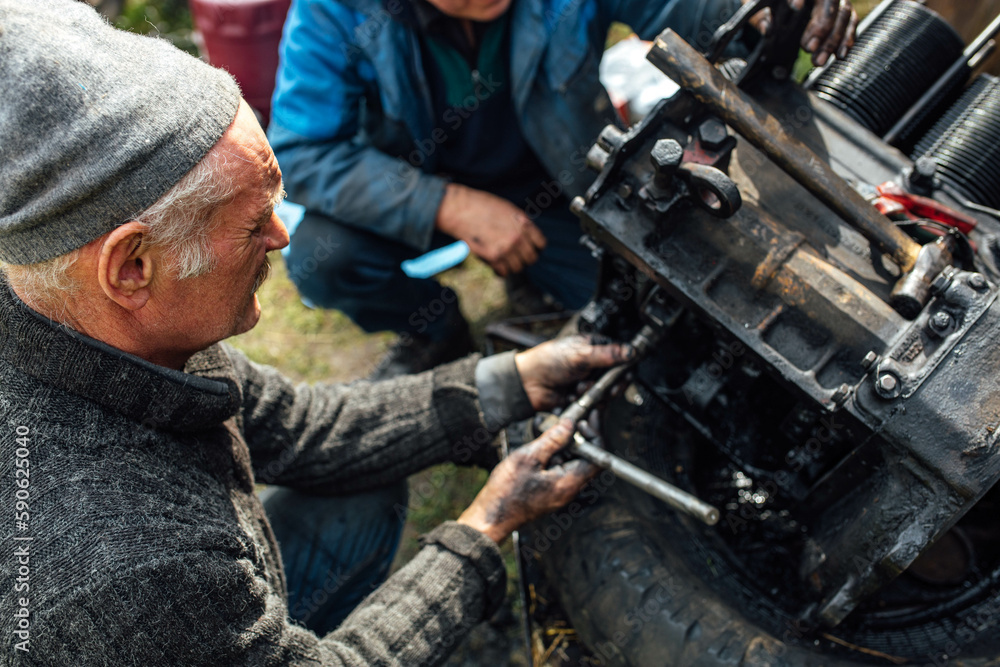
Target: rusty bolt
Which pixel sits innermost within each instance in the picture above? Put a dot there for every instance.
(977, 282)
(666, 156)
(941, 322)
(870, 359)
(712, 133)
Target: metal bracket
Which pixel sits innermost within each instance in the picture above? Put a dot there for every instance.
(961, 299)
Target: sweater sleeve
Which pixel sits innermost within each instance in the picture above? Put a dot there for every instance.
(336, 438)
(207, 609)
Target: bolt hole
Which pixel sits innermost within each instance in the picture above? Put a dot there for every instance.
(711, 200)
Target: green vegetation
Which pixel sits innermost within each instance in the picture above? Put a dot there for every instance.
(167, 18)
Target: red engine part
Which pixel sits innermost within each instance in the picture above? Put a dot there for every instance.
(895, 200)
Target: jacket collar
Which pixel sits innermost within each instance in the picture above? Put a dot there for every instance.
(530, 34)
(205, 394)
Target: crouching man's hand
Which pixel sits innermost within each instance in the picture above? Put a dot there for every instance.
(523, 487)
(831, 29)
(550, 371)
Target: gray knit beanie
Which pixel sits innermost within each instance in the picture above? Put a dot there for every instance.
(96, 124)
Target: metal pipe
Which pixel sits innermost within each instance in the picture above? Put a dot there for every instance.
(982, 41)
(678, 60)
(677, 498)
(982, 54)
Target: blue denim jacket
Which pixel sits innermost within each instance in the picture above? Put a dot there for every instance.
(352, 122)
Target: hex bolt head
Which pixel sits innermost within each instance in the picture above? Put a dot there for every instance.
(712, 133)
(666, 156)
(887, 385)
(843, 391)
(941, 321)
(923, 172)
(870, 359)
(977, 282)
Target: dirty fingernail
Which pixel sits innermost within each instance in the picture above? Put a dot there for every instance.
(765, 26)
(842, 53)
(812, 44)
(822, 58)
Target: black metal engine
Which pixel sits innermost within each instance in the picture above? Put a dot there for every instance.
(828, 375)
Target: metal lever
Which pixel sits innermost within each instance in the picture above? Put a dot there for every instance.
(581, 407)
(677, 498)
(656, 487)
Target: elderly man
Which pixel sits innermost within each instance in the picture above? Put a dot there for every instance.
(137, 198)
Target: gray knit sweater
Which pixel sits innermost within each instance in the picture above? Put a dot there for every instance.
(147, 543)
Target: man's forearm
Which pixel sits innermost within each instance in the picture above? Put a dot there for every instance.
(349, 438)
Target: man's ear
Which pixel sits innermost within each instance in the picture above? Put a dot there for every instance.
(125, 266)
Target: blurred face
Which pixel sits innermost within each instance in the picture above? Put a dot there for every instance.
(474, 10)
(223, 302)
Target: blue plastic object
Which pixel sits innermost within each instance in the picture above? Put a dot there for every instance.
(436, 261)
(425, 266)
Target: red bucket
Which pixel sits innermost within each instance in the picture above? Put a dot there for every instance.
(242, 36)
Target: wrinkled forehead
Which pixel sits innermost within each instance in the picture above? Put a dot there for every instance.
(245, 153)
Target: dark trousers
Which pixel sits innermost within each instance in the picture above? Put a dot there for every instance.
(357, 272)
(335, 550)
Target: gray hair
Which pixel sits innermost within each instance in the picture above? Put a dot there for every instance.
(179, 222)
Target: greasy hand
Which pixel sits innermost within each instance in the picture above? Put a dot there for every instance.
(551, 370)
(830, 30)
(521, 488)
(497, 231)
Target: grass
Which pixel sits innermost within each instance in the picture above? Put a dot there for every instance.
(314, 345)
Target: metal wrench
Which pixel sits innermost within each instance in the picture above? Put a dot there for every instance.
(651, 484)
